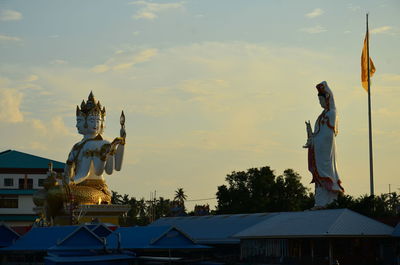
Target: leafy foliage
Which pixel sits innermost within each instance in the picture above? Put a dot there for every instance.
(259, 190)
(384, 205)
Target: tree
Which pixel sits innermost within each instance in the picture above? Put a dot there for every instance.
(259, 190)
(384, 205)
(180, 196)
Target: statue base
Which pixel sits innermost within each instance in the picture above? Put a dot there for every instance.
(91, 213)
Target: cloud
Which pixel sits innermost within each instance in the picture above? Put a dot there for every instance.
(390, 77)
(10, 101)
(353, 7)
(123, 60)
(314, 30)
(150, 10)
(10, 15)
(39, 126)
(31, 78)
(386, 112)
(381, 30)
(315, 13)
(101, 68)
(4, 38)
(58, 61)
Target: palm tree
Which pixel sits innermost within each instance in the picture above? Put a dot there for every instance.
(180, 197)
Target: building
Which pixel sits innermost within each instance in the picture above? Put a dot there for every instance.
(21, 175)
(318, 237)
(308, 237)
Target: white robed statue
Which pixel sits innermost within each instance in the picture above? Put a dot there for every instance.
(322, 150)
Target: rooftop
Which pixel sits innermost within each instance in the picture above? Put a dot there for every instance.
(11, 159)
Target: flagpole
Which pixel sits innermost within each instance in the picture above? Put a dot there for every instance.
(371, 164)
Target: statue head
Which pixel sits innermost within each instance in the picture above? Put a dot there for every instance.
(90, 117)
(324, 94)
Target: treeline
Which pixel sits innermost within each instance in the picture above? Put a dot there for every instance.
(260, 190)
(143, 211)
(253, 191)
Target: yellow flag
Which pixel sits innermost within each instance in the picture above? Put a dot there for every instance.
(364, 65)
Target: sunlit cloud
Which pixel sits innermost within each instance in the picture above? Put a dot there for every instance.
(37, 146)
(315, 13)
(10, 103)
(10, 15)
(32, 78)
(39, 126)
(124, 61)
(314, 30)
(6, 38)
(390, 77)
(150, 10)
(101, 68)
(386, 112)
(381, 30)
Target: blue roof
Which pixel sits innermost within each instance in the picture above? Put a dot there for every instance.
(214, 229)
(7, 236)
(80, 239)
(16, 192)
(101, 230)
(151, 237)
(321, 223)
(18, 217)
(396, 231)
(41, 238)
(84, 259)
(16, 159)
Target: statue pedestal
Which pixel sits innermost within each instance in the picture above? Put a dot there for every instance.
(87, 213)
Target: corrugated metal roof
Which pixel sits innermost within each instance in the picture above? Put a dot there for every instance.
(214, 229)
(41, 238)
(89, 259)
(322, 223)
(16, 159)
(396, 231)
(7, 235)
(151, 237)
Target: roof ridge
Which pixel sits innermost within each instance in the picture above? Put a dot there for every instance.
(33, 155)
(6, 151)
(79, 228)
(335, 223)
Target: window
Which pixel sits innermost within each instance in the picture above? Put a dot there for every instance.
(21, 184)
(8, 182)
(40, 182)
(25, 184)
(29, 184)
(8, 201)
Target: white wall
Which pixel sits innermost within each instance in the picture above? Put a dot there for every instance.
(25, 206)
(16, 178)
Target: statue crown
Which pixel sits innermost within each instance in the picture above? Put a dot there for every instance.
(90, 108)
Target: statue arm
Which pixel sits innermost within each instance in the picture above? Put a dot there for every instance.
(116, 154)
(309, 135)
(69, 169)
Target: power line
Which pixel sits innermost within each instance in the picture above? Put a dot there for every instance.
(206, 199)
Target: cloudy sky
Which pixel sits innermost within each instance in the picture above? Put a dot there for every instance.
(208, 87)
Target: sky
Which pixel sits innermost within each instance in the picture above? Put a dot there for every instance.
(207, 87)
